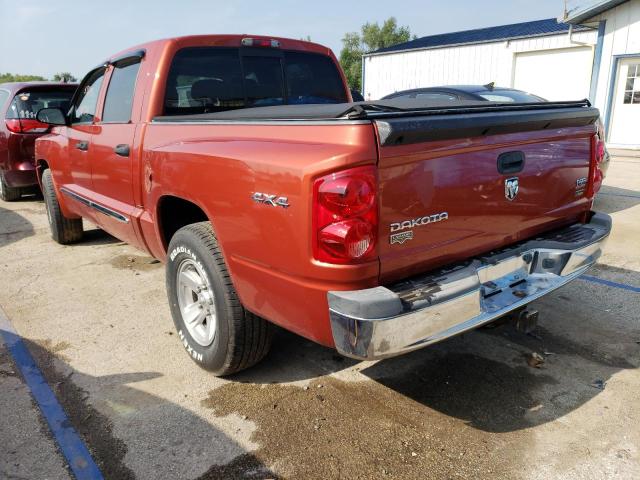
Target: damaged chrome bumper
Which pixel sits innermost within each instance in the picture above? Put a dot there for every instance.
(386, 321)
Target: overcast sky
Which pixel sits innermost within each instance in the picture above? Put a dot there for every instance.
(42, 37)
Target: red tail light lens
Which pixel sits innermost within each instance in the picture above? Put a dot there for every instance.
(25, 125)
(346, 216)
(598, 150)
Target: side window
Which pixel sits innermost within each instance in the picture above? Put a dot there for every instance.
(84, 106)
(436, 96)
(119, 99)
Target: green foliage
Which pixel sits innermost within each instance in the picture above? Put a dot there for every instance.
(371, 37)
(64, 77)
(10, 77)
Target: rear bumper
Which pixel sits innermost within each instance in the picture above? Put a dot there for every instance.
(24, 177)
(383, 322)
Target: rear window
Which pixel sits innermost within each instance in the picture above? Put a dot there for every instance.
(508, 96)
(212, 79)
(28, 103)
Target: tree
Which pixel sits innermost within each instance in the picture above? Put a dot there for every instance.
(10, 77)
(65, 77)
(371, 37)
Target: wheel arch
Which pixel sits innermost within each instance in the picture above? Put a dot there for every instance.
(41, 166)
(173, 213)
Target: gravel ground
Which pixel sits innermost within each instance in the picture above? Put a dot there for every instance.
(95, 317)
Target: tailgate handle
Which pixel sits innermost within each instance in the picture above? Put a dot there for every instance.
(511, 162)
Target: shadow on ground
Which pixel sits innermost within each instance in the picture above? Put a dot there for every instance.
(614, 199)
(13, 227)
(484, 379)
(293, 358)
(171, 442)
(96, 236)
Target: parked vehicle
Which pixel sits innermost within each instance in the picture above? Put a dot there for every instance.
(487, 92)
(19, 104)
(373, 228)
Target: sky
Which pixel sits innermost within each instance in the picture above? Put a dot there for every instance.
(42, 37)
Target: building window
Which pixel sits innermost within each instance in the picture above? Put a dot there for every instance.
(632, 88)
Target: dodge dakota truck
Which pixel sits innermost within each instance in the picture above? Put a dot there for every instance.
(375, 228)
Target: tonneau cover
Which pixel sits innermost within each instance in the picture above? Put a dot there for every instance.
(366, 110)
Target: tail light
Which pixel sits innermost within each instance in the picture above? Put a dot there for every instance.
(26, 125)
(598, 151)
(346, 216)
(260, 42)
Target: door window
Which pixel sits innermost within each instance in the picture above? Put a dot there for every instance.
(84, 106)
(119, 99)
(632, 86)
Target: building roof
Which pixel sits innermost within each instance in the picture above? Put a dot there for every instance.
(586, 10)
(536, 28)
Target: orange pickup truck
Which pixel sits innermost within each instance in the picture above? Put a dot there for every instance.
(375, 228)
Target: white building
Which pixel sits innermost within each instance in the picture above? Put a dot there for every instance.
(594, 52)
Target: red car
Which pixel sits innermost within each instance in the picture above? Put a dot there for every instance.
(375, 228)
(19, 105)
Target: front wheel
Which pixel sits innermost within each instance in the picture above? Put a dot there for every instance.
(217, 332)
(63, 230)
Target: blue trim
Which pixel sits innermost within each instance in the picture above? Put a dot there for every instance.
(609, 283)
(612, 89)
(597, 58)
(73, 448)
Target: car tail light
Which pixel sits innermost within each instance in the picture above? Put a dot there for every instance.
(598, 151)
(260, 42)
(346, 216)
(25, 125)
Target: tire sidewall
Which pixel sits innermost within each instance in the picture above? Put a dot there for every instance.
(186, 245)
(49, 194)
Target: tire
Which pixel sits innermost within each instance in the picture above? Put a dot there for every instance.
(224, 338)
(7, 193)
(63, 230)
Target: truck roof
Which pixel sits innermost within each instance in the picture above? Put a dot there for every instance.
(225, 40)
(17, 86)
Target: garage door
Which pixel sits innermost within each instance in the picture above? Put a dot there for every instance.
(563, 74)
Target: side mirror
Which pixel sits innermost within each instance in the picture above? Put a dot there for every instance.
(51, 116)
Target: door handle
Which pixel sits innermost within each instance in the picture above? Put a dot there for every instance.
(122, 150)
(511, 162)
(84, 146)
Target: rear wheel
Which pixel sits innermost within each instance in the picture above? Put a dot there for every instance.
(217, 332)
(7, 193)
(63, 230)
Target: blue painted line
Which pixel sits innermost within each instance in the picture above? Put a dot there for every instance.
(73, 448)
(609, 283)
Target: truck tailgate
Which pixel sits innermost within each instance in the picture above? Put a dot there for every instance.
(451, 188)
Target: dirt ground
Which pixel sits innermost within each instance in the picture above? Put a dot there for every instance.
(95, 318)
